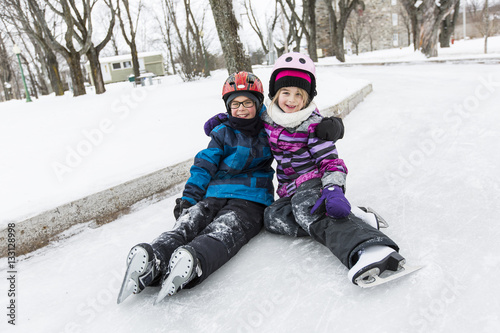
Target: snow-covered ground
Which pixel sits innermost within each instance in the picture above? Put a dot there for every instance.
(459, 50)
(422, 150)
(56, 150)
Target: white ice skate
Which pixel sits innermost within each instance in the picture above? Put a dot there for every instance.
(142, 270)
(184, 267)
(378, 264)
(370, 217)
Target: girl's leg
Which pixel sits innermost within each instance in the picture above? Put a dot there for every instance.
(344, 237)
(279, 219)
(235, 224)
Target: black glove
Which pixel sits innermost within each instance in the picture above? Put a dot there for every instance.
(180, 205)
(330, 129)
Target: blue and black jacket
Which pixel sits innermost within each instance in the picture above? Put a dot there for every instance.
(233, 166)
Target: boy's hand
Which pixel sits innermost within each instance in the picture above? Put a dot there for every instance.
(330, 129)
(335, 202)
(180, 205)
(214, 122)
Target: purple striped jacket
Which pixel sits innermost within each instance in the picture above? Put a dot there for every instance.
(301, 156)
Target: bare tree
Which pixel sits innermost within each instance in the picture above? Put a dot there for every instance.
(165, 25)
(114, 42)
(71, 54)
(191, 53)
(94, 50)
(227, 29)
(80, 19)
(254, 23)
(434, 13)
(5, 71)
(129, 25)
(483, 21)
(356, 28)
(19, 14)
(306, 21)
(405, 18)
(426, 17)
(296, 26)
(338, 17)
(448, 26)
(194, 33)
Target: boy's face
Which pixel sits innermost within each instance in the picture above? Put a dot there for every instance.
(239, 110)
(290, 100)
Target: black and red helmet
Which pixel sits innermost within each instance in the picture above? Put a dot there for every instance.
(243, 81)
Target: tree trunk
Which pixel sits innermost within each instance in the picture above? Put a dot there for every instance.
(339, 45)
(448, 26)
(75, 70)
(95, 70)
(415, 15)
(227, 29)
(445, 33)
(429, 37)
(135, 63)
(486, 22)
(53, 73)
(332, 20)
(432, 16)
(311, 43)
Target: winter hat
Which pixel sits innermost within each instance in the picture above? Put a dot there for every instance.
(245, 94)
(293, 78)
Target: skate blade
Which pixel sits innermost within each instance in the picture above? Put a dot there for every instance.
(126, 290)
(128, 285)
(167, 288)
(180, 270)
(375, 280)
(130, 280)
(382, 223)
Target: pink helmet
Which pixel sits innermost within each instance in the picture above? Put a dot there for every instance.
(296, 70)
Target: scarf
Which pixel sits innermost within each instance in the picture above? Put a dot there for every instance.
(289, 120)
(249, 127)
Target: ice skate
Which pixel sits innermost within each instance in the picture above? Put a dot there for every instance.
(183, 267)
(142, 270)
(370, 217)
(378, 264)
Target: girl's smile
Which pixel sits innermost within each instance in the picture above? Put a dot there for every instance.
(290, 100)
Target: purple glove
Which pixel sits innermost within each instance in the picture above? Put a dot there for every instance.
(214, 122)
(336, 203)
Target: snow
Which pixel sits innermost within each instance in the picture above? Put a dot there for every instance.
(56, 150)
(422, 150)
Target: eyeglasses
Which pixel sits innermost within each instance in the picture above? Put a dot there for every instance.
(246, 104)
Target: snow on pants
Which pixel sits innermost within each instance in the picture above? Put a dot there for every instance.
(216, 228)
(343, 237)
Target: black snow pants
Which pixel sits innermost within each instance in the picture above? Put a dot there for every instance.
(343, 237)
(216, 228)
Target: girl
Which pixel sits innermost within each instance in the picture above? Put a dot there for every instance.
(222, 205)
(312, 178)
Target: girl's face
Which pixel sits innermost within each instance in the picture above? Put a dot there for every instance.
(291, 100)
(241, 111)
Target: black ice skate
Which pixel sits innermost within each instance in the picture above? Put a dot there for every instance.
(378, 264)
(142, 270)
(370, 217)
(184, 267)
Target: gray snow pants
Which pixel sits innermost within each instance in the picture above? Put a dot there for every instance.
(343, 237)
(216, 228)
